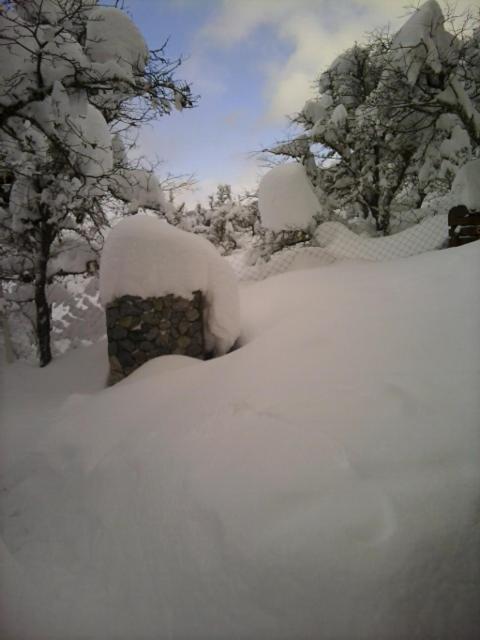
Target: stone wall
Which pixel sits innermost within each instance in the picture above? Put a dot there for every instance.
(139, 329)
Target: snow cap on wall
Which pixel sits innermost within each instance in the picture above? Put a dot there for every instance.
(144, 256)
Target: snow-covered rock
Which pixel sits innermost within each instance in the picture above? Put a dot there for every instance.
(144, 256)
(286, 199)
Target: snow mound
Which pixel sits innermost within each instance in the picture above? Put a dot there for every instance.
(144, 256)
(466, 186)
(320, 482)
(286, 199)
(341, 242)
(161, 366)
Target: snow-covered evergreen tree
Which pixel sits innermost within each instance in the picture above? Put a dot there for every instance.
(73, 74)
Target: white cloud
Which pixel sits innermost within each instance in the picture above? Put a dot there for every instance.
(316, 30)
(241, 172)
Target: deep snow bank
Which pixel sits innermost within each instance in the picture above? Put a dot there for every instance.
(320, 482)
(340, 242)
(337, 242)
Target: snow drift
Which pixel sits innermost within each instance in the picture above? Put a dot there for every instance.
(320, 482)
(340, 242)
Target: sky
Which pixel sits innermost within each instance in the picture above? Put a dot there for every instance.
(253, 63)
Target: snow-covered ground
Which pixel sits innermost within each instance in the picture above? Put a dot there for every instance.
(322, 481)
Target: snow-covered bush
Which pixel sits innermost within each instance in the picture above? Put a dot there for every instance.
(394, 120)
(147, 257)
(72, 73)
(233, 224)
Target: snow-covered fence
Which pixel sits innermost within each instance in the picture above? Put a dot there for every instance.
(165, 291)
(334, 241)
(296, 257)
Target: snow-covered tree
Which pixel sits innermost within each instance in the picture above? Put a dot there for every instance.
(74, 78)
(233, 223)
(227, 221)
(394, 119)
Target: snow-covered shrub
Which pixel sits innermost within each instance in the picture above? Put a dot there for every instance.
(233, 224)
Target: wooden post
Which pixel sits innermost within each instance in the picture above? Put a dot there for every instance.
(464, 226)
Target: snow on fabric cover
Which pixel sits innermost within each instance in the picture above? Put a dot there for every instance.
(340, 242)
(147, 257)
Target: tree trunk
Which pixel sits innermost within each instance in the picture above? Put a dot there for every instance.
(7, 339)
(383, 218)
(42, 308)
